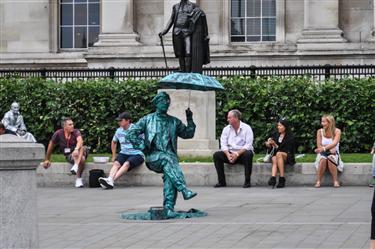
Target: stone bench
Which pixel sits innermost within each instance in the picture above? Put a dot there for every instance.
(204, 174)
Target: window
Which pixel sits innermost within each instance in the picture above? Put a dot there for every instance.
(79, 23)
(253, 20)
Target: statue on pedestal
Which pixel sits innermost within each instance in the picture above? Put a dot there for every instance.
(190, 36)
(13, 121)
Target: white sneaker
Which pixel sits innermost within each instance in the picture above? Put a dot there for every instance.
(79, 183)
(74, 169)
(106, 183)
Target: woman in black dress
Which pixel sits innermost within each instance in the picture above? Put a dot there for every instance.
(283, 145)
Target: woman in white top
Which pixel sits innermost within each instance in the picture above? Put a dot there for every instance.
(328, 156)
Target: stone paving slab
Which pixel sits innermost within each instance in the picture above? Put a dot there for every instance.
(259, 217)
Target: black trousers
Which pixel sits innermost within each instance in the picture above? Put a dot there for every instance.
(245, 158)
(182, 45)
(373, 217)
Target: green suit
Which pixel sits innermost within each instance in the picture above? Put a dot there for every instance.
(160, 148)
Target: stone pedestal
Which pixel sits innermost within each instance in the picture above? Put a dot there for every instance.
(117, 29)
(203, 106)
(18, 210)
(321, 20)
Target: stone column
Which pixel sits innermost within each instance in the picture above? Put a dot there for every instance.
(117, 28)
(18, 210)
(203, 106)
(321, 22)
(371, 37)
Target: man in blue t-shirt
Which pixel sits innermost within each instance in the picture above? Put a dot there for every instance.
(127, 159)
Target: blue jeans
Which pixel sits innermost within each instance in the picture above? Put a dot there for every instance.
(373, 165)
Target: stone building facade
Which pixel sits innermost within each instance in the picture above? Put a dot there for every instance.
(123, 33)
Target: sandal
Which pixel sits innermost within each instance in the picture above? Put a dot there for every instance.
(317, 184)
(336, 184)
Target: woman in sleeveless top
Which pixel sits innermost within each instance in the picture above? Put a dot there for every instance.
(328, 156)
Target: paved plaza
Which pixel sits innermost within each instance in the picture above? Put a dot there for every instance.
(259, 217)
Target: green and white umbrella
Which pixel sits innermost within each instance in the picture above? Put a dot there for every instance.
(190, 81)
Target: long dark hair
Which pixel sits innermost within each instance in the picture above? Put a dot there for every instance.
(286, 124)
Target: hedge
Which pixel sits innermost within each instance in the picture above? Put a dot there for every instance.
(93, 105)
(303, 101)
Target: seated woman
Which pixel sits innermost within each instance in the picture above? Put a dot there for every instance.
(328, 156)
(283, 146)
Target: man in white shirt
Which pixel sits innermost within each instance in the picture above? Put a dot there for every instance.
(236, 144)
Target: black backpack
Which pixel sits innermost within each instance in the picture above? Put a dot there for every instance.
(94, 177)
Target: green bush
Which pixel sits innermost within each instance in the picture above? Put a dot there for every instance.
(93, 105)
(302, 101)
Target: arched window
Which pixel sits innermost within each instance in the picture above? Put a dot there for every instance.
(253, 20)
(79, 23)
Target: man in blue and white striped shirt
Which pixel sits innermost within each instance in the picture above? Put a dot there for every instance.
(127, 159)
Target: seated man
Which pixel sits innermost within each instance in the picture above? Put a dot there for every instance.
(127, 159)
(236, 144)
(69, 142)
(4, 131)
(13, 121)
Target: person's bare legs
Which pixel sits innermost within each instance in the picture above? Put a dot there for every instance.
(274, 166)
(320, 172)
(115, 167)
(121, 171)
(80, 160)
(372, 245)
(272, 180)
(281, 158)
(108, 182)
(81, 167)
(333, 169)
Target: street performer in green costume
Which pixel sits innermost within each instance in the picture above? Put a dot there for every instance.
(160, 148)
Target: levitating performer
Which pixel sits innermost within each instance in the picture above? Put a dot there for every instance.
(160, 148)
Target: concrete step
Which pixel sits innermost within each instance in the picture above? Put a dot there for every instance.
(204, 174)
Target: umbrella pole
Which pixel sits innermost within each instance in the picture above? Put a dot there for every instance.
(189, 98)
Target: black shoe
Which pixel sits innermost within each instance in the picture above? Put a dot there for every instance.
(220, 185)
(272, 181)
(281, 183)
(246, 185)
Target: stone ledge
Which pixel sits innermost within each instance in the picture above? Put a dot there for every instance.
(204, 174)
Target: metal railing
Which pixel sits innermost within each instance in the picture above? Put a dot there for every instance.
(319, 72)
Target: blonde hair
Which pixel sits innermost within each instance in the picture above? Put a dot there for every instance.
(332, 125)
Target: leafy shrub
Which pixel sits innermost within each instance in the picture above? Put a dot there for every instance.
(302, 101)
(93, 106)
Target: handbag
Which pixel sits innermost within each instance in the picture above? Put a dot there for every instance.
(269, 154)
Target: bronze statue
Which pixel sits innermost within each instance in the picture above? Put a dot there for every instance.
(13, 121)
(160, 148)
(190, 36)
